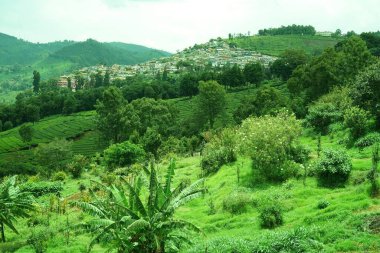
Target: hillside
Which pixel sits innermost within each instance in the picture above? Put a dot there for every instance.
(91, 52)
(275, 45)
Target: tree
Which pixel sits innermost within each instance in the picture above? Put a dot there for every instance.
(109, 115)
(53, 156)
(32, 113)
(36, 81)
(211, 100)
(232, 76)
(98, 79)
(122, 155)
(69, 84)
(69, 105)
(366, 91)
(266, 101)
(7, 125)
(321, 116)
(289, 60)
(152, 141)
(26, 133)
(188, 85)
(356, 119)
(107, 78)
(14, 204)
(131, 224)
(253, 73)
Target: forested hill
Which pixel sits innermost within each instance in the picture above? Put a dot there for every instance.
(92, 52)
(89, 52)
(18, 58)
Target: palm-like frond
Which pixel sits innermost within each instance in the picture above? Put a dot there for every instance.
(14, 203)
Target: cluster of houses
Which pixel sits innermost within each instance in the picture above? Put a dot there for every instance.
(216, 53)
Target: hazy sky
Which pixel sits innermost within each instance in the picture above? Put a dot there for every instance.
(175, 24)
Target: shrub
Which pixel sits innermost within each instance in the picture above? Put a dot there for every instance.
(271, 215)
(59, 176)
(294, 241)
(333, 168)
(42, 188)
(356, 119)
(236, 202)
(367, 140)
(123, 154)
(213, 160)
(77, 165)
(38, 240)
(321, 115)
(322, 204)
(267, 140)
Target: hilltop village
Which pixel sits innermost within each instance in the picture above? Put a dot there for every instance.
(215, 53)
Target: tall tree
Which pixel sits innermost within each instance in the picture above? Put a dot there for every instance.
(26, 133)
(211, 100)
(109, 114)
(188, 85)
(36, 81)
(253, 73)
(107, 78)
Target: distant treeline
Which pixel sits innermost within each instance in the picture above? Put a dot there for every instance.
(290, 29)
(50, 99)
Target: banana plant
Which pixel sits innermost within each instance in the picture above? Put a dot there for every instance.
(14, 204)
(138, 216)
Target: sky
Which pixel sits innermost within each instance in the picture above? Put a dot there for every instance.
(173, 25)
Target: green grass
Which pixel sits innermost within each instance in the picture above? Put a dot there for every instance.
(48, 129)
(338, 226)
(79, 128)
(275, 45)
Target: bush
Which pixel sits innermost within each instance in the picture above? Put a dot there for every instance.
(236, 202)
(123, 154)
(322, 204)
(367, 140)
(38, 240)
(77, 165)
(356, 119)
(42, 188)
(267, 140)
(213, 160)
(333, 168)
(219, 151)
(271, 215)
(59, 176)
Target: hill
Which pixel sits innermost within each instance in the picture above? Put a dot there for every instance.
(92, 52)
(275, 45)
(18, 58)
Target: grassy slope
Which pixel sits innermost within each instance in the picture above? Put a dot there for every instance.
(337, 223)
(275, 45)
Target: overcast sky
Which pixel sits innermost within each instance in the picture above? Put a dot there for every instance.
(176, 24)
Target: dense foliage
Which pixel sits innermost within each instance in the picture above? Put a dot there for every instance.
(333, 168)
(290, 29)
(268, 141)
